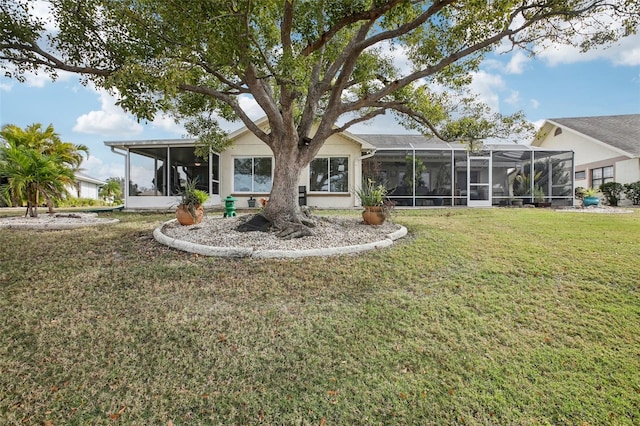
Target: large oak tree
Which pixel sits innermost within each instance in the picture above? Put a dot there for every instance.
(314, 67)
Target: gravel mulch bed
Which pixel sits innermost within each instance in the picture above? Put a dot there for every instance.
(334, 231)
(55, 221)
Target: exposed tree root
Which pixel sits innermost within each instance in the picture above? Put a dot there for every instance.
(285, 228)
(293, 230)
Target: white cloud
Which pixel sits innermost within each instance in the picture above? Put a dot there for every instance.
(534, 103)
(168, 124)
(625, 53)
(111, 120)
(96, 168)
(39, 78)
(513, 98)
(516, 63)
(250, 107)
(5, 87)
(487, 86)
(41, 9)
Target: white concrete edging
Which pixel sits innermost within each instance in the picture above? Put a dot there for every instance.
(237, 252)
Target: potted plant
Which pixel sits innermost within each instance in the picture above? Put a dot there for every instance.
(590, 197)
(373, 198)
(190, 210)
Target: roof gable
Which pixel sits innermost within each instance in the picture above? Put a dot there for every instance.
(618, 131)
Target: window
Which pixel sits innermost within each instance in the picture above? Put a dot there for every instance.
(329, 174)
(252, 174)
(601, 175)
(581, 175)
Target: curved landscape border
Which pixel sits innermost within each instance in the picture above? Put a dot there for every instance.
(52, 225)
(240, 252)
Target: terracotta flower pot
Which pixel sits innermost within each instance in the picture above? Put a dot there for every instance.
(373, 215)
(184, 216)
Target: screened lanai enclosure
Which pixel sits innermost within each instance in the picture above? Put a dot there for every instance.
(157, 172)
(428, 172)
(418, 172)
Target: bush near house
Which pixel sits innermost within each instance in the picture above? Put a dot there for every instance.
(79, 202)
(612, 192)
(632, 192)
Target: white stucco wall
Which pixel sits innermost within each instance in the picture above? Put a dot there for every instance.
(169, 203)
(248, 145)
(88, 190)
(85, 187)
(586, 150)
(628, 171)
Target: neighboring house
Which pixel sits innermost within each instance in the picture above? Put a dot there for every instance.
(418, 171)
(86, 187)
(607, 148)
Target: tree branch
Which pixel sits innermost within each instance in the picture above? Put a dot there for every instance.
(367, 15)
(232, 102)
(42, 58)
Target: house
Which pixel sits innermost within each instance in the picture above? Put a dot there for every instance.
(607, 148)
(86, 187)
(418, 171)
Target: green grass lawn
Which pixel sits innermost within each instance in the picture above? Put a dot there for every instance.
(486, 316)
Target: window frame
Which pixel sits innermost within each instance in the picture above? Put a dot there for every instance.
(347, 161)
(604, 177)
(253, 158)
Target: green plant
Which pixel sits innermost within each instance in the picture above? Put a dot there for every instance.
(413, 172)
(191, 197)
(522, 183)
(632, 192)
(612, 192)
(579, 192)
(375, 195)
(590, 192)
(538, 194)
(372, 194)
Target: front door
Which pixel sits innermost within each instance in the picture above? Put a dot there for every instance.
(479, 181)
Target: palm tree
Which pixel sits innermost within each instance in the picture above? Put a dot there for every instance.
(30, 173)
(46, 142)
(111, 190)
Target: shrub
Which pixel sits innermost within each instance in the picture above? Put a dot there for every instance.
(77, 202)
(579, 192)
(612, 191)
(632, 191)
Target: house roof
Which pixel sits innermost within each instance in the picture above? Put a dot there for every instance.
(405, 141)
(84, 178)
(422, 142)
(618, 131)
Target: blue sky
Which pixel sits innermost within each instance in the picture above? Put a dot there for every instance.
(558, 82)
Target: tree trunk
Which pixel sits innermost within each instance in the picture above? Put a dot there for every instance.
(32, 204)
(283, 209)
(283, 200)
(49, 204)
